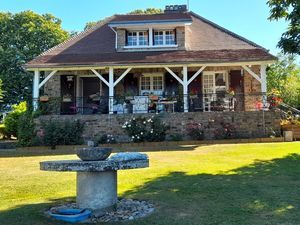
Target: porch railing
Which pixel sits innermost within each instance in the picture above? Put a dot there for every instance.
(154, 104)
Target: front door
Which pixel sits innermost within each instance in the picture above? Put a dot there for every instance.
(68, 94)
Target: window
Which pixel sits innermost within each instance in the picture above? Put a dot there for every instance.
(165, 37)
(137, 38)
(170, 37)
(151, 84)
(158, 38)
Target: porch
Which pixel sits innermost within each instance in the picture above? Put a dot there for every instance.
(151, 89)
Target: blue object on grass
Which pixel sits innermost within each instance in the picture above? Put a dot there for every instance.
(71, 215)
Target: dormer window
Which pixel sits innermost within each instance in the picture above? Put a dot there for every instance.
(164, 37)
(150, 38)
(137, 38)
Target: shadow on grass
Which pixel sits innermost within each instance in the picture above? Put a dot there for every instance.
(265, 192)
(43, 151)
(32, 214)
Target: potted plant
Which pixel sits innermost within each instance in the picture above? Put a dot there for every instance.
(67, 98)
(44, 98)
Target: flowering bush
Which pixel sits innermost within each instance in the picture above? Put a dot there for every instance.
(195, 131)
(106, 139)
(226, 131)
(142, 129)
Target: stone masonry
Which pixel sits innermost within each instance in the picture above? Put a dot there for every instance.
(250, 124)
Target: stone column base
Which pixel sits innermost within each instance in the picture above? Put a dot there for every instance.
(97, 190)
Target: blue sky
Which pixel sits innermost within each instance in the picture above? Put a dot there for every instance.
(248, 18)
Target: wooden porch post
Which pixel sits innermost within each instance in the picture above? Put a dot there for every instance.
(111, 90)
(185, 89)
(263, 78)
(36, 92)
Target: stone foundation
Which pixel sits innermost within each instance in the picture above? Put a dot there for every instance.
(253, 124)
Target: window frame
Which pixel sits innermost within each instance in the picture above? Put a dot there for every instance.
(137, 32)
(151, 90)
(164, 44)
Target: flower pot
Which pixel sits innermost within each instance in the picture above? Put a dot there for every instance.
(44, 98)
(93, 153)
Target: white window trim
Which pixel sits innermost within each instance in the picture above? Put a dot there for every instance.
(214, 72)
(153, 46)
(151, 75)
(164, 37)
(151, 41)
(137, 39)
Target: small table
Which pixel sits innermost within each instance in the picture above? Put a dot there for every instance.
(167, 103)
(96, 180)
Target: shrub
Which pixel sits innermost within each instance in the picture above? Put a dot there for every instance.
(106, 139)
(12, 119)
(195, 131)
(146, 129)
(55, 132)
(26, 135)
(3, 134)
(176, 137)
(226, 131)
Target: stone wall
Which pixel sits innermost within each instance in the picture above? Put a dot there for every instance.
(247, 124)
(252, 88)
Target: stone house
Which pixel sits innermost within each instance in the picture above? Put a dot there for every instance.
(175, 62)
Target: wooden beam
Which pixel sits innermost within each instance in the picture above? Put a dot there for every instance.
(47, 78)
(122, 76)
(36, 90)
(251, 73)
(196, 74)
(100, 77)
(111, 90)
(147, 65)
(185, 89)
(174, 75)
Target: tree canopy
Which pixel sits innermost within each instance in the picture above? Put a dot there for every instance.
(283, 80)
(1, 91)
(290, 11)
(134, 12)
(24, 36)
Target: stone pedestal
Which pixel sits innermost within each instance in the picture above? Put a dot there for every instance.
(97, 190)
(97, 180)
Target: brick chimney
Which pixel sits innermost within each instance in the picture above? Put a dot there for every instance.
(176, 8)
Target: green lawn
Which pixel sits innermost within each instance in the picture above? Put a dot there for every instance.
(216, 184)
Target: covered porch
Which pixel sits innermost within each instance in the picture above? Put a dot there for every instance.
(126, 89)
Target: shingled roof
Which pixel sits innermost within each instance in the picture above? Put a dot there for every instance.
(206, 42)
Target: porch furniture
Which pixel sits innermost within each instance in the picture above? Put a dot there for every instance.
(97, 180)
(140, 104)
(87, 109)
(167, 104)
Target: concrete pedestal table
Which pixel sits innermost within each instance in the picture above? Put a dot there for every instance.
(96, 180)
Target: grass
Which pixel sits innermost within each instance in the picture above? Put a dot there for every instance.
(216, 184)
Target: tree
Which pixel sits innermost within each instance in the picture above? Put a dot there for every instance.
(290, 11)
(24, 36)
(283, 79)
(146, 11)
(134, 12)
(1, 92)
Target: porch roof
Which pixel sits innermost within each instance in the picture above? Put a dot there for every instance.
(205, 42)
(171, 57)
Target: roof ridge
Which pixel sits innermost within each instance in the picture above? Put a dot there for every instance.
(80, 35)
(136, 14)
(227, 31)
